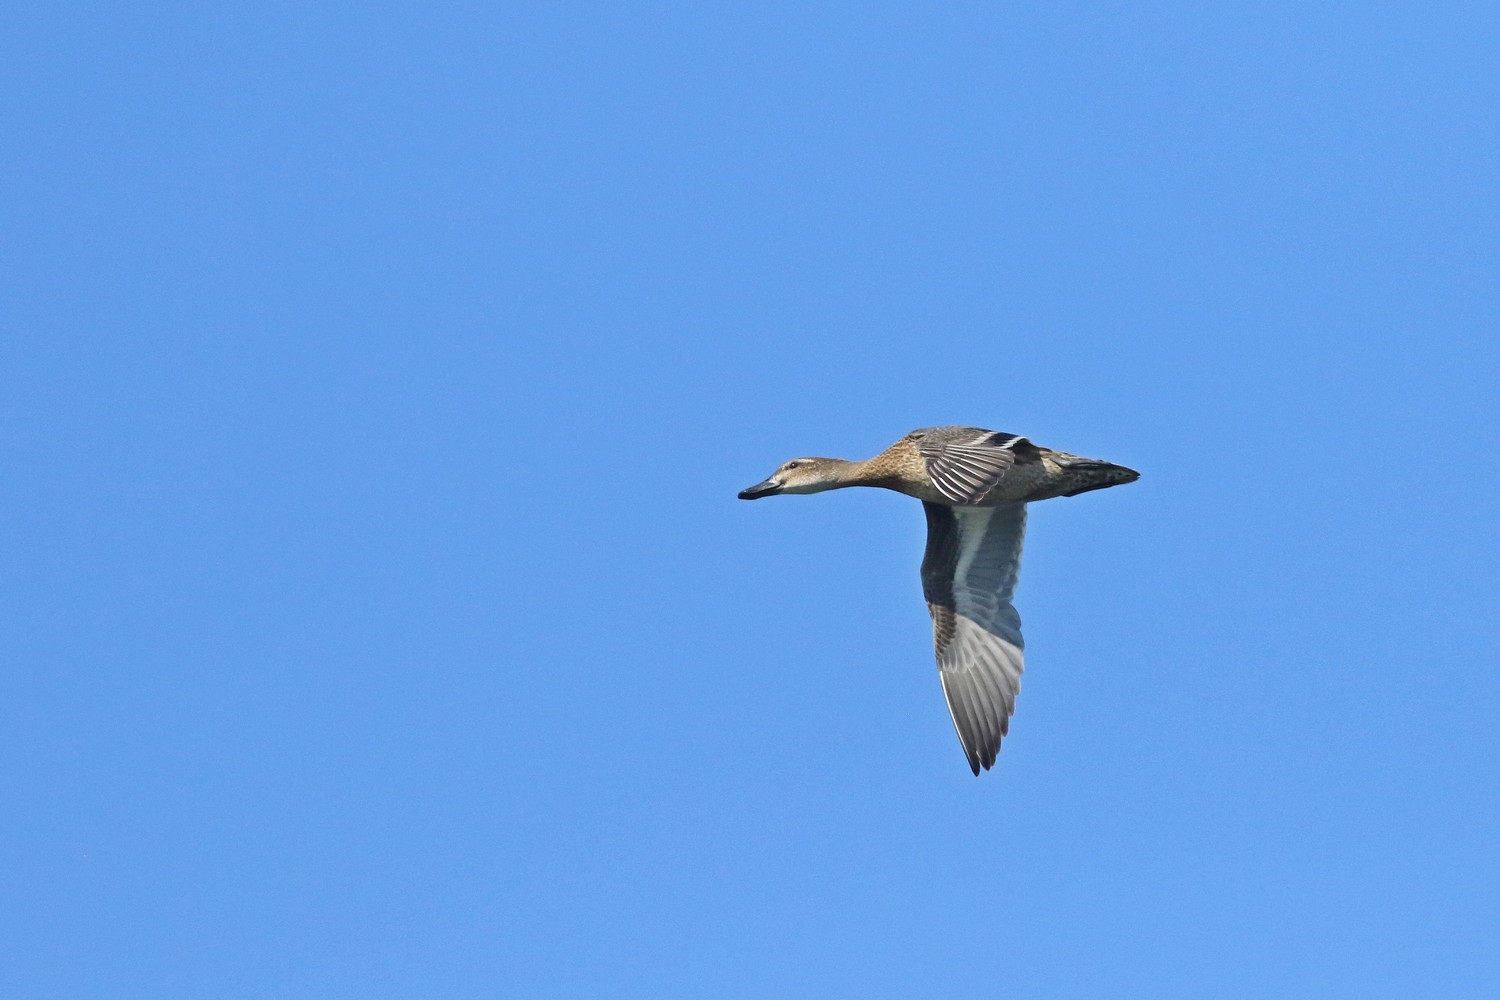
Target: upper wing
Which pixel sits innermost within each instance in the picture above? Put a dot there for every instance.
(965, 463)
(968, 576)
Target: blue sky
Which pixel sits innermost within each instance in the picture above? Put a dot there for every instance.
(381, 621)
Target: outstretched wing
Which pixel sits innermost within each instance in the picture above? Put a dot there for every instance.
(965, 463)
(968, 576)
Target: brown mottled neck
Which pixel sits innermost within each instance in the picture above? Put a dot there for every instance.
(841, 472)
(891, 467)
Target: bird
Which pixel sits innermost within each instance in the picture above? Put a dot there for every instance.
(974, 485)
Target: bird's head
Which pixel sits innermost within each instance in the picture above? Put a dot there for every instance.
(801, 475)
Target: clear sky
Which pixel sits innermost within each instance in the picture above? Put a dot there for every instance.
(380, 621)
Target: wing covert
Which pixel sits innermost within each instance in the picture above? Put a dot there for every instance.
(965, 463)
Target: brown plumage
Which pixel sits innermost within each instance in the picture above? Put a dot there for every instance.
(974, 485)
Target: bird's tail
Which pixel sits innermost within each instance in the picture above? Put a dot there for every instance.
(1085, 474)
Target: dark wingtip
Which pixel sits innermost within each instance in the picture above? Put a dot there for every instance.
(976, 761)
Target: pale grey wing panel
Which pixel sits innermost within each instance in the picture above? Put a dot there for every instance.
(965, 469)
(989, 560)
(976, 629)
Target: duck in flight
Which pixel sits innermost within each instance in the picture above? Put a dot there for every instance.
(974, 485)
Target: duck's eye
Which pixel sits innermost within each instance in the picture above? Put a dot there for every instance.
(792, 465)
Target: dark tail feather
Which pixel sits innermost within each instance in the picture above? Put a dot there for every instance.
(1099, 475)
